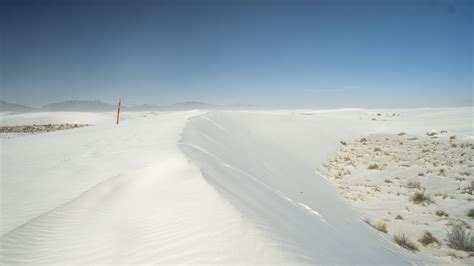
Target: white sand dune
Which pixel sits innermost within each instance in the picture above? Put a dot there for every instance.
(193, 187)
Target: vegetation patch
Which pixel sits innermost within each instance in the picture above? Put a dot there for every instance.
(405, 243)
(470, 213)
(441, 213)
(429, 239)
(374, 166)
(421, 198)
(414, 184)
(38, 128)
(460, 238)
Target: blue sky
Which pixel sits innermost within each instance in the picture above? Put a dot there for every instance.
(308, 53)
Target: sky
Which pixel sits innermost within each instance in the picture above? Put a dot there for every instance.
(305, 53)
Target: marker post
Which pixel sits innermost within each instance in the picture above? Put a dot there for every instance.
(118, 111)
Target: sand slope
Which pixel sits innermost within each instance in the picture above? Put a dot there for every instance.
(107, 194)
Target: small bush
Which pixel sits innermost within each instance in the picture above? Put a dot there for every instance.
(387, 181)
(421, 198)
(429, 239)
(343, 142)
(363, 140)
(441, 213)
(452, 137)
(377, 149)
(470, 213)
(374, 166)
(414, 184)
(404, 242)
(442, 172)
(460, 238)
(398, 217)
(464, 173)
(402, 133)
(382, 227)
(469, 189)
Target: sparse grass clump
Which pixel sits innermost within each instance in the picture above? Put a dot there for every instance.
(464, 173)
(381, 226)
(404, 242)
(442, 172)
(421, 198)
(470, 213)
(414, 184)
(429, 239)
(441, 213)
(469, 189)
(374, 166)
(460, 238)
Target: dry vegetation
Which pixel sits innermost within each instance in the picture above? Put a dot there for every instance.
(34, 129)
(418, 179)
(404, 242)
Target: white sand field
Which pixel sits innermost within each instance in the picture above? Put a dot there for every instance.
(221, 187)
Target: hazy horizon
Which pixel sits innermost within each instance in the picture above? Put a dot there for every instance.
(266, 53)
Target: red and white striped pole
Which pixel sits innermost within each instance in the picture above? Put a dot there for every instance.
(118, 111)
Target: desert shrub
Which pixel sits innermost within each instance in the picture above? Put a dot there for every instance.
(343, 142)
(402, 133)
(398, 217)
(377, 149)
(382, 227)
(460, 238)
(442, 172)
(452, 137)
(470, 213)
(363, 140)
(387, 181)
(429, 239)
(421, 174)
(404, 242)
(431, 133)
(374, 166)
(469, 189)
(414, 184)
(421, 198)
(441, 213)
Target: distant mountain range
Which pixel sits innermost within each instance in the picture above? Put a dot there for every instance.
(98, 106)
(11, 107)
